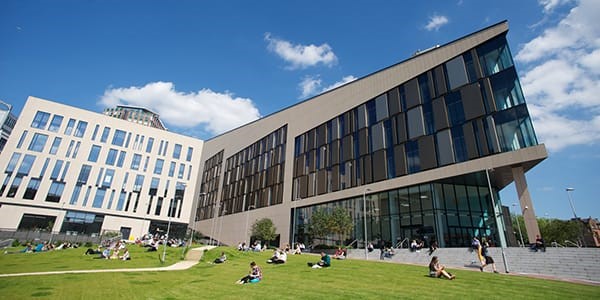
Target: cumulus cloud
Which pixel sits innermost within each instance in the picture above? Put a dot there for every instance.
(214, 112)
(301, 56)
(311, 85)
(562, 77)
(435, 22)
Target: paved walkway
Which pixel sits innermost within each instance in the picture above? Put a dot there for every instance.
(192, 259)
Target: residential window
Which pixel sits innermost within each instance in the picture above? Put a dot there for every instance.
(55, 145)
(32, 188)
(105, 133)
(75, 195)
(139, 182)
(190, 151)
(172, 169)
(111, 158)
(154, 186)
(12, 163)
(149, 145)
(38, 142)
(55, 123)
(94, 153)
(84, 174)
(121, 201)
(95, 132)
(158, 166)
(70, 148)
(56, 170)
(21, 139)
(177, 151)
(135, 162)
(108, 178)
(55, 192)
(40, 120)
(14, 187)
(76, 149)
(118, 138)
(181, 171)
(80, 130)
(121, 159)
(99, 198)
(70, 126)
(26, 165)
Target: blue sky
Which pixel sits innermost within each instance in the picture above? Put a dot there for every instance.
(208, 67)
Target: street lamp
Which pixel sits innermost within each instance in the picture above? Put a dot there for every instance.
(221, 226)
(519, 227)
(167, 237)
(365, 221)
(195, 207)
(570, 189)
(247, 217)
(294, 221)
(215, 214)
(497, 219)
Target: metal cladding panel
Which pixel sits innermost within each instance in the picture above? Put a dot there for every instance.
(379, 165)
(440, 114)
(411, 88)
(472, 101)
(427, 152)
(470, 141)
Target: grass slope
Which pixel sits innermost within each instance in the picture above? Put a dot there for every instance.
(354, 279)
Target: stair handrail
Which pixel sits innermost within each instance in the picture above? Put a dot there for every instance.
(400, 243)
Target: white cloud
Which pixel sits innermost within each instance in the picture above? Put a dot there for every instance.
(301, 56)
(562, 77)
(435, 22)
(214, 112)
(549, 5)
(311, 85)
(344, 80)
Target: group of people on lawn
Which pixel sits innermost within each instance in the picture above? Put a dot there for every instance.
(116, 251)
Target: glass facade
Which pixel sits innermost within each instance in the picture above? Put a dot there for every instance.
(450, 212)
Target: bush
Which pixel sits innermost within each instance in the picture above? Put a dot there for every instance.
(16, 243)
(88, 244)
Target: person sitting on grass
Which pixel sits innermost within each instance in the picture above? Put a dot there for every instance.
(339, 253)
(325, 262)
(125, 255)
(221, 259)
(91, 251)
(279, 257)
(255, 275)
(437, 270)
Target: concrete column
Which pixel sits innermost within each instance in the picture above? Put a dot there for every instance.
(526, 205)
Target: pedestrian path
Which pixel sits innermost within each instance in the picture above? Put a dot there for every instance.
(193, 257)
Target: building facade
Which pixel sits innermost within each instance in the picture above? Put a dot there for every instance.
(74, 171)
(418, 150)
(135, 114)
(8, 121)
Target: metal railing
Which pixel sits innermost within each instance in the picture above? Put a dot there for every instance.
(400, 243)
(578, 245)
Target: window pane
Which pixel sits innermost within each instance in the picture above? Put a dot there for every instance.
(135, 163)
(38, 142)
(111, 157)
(118, 138)
(55, 145)
(26, 165)
(80, 130)
(105, 134)
(158, 166)
(94, 153)
(40, 120)
(416, 127)
(55, 124)
(457, 74)
(190, 151)
(177, 151)
(150, 144)
(70, 126)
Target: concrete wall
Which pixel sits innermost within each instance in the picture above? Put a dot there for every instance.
(564, 263)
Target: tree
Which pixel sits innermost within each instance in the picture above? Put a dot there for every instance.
(552, 230)
(341, 223)
(319, 224)
(264, 230)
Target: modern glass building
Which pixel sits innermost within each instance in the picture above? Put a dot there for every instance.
(418, 150)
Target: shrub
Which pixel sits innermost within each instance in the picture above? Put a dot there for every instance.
(16, 243)
(87, 244)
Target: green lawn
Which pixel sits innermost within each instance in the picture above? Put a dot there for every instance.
(351, 279)
(73, 259)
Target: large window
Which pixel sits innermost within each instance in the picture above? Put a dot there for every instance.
(99, 198)
(149, 145)
(494, 56)
(70, 126)
(190, 151)
(55, 192)
(55, 123)
(84, 174)
(105, 133)
(26, 165)
(139, 182)
(158, 166)
(38, 142)
(55, 145)
(177, 151)
(80, 130)
(118, 138)
(135, 162)
(111, 158)
(40, 120)
(32, 188)
(94, 153)
(12, 163)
